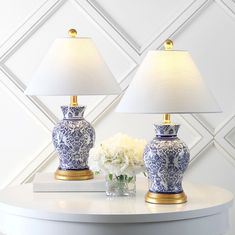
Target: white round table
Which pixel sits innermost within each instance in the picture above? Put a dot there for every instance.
(23, 212)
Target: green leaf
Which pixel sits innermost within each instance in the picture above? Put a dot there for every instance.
(145, 174)
(121, 177)
(111, 176)
(130, 179)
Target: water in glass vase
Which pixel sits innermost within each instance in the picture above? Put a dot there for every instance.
(122, 185)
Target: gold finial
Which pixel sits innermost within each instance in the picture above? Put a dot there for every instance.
(73, 33)
(168, 44)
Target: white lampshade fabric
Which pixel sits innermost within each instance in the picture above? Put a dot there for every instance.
(168, 82)
(73, 66)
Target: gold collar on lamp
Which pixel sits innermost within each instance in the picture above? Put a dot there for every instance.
(167, 82)
(73, 66)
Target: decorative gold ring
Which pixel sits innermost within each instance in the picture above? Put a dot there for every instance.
(74, 175)
(162, 198)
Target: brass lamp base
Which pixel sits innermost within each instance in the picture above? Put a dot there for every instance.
(162, 198)
(74, 175)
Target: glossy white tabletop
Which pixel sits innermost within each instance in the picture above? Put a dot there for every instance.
(96, 207)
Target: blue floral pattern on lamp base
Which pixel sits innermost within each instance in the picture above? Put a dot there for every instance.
(166, 158)
(73, 137)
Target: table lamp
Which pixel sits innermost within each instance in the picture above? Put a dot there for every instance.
(167, 82)
(73, 66)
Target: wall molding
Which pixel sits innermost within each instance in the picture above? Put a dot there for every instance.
(108, 101)
(128, 46)
(228, 6)
(222, 138)
(24, 31)
(185, 13)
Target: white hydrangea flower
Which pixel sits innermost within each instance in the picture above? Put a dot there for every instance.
(118, 155)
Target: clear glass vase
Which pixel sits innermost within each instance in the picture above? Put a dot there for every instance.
(122, 185)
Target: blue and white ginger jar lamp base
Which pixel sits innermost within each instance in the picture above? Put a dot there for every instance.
(73, 137)
(166, 158)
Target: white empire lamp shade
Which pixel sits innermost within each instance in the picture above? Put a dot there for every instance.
(73, 66)
(168, 81)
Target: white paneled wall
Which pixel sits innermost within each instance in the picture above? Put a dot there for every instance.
(124, 30)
